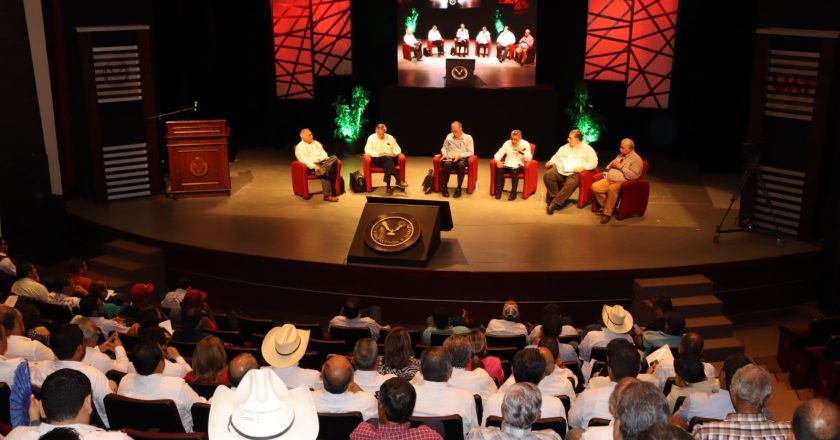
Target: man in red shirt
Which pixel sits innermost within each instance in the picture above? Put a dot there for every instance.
(396, 403)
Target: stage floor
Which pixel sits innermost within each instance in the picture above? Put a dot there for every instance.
(263, 217)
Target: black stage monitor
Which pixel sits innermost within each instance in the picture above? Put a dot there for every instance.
(460, 72)
(403, 232)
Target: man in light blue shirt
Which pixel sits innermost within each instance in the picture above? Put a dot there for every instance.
(457, 148)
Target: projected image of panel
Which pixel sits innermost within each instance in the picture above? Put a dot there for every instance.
(466, 43)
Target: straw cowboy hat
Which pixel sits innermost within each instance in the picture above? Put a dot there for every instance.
(617, 319)
(284, 346)
(262, 408)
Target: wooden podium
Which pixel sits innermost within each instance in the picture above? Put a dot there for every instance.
(198, 158)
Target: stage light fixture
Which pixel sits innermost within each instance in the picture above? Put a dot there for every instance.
(411, 20)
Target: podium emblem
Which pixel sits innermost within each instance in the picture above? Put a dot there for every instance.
(392, 232)
(199, 167)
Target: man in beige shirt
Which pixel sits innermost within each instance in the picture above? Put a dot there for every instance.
(626, 166)
(562, 174)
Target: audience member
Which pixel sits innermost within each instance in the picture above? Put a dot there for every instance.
(91, 307)
(622, 361)
(282, 348)
(603, 432)
(617, 323)
(660, 305)
(340, 394)
(441, 326)
(395, 406)
(398, 356)
(67, 344)
(556, 381)
(6, 263)
(641, 406)
(18, 345)
(715, 405)
(172, 300)
(816, 419)
(476, 381)
(691, 342)
(520, 409)
(78, 271)
(8, 365)
(528, 366)
(174, 364)
(140, 296)
(66, 403)
(29, 283)
(552, 324)
(366, 358)
(480, 359)
(262, 407)
(95, 354)
(148, 383)
(63, 291)
(690, 379)
(664, 431)
(209, 362)
(191, 330)
(434, 395)
(32, 322)
(750, 390)
(508, 325)
(671, 335)
(239, 366)
(351, 316)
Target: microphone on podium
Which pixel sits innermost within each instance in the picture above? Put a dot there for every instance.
(195, 106)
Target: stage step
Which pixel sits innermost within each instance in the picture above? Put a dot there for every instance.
(114, 283)
(696, 306)
(710, 326)
(718, 349)
(134, 251)
(116, 266)
(689, 285)
(125, 263)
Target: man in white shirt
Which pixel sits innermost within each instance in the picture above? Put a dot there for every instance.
(68, 346)
(457, 148)
(476, 381)
(552, 326)
(503, 42)
(239, 366)
(617, 322)
(562, 174)
(172, 300)
(436, 39)
(384, 151)
(622, 361)
(66, 403)
(312, 154)
(435, 397)
(641, 406)
(19, 346)
(715, 405)
(282, 348)
(603, 432)
(507, 326)
(29, 283)
(366, 358)
(148, 383)
(528, 366)
(8, 366)
(520, 409)
(91, 307)
(6, 263)
(515, 152)
(416, 45)
(691, 342)
(340, 394)
(462, 41)
(483, 40)
(95, 353)
(556, 381)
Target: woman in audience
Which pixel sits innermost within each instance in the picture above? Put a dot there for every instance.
(209, 363)
(399, 355)
(491, 364)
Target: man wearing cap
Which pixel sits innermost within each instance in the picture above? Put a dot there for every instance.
(140, 295)
(262, 407)
(396, 404)
(507, 326)
(66, 403)
(282, 348)
(340, 394)
(617, 323)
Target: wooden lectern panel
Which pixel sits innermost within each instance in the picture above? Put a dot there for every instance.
(198, 158)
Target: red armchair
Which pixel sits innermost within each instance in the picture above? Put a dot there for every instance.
(406, 52)
(471, 171)
(370, 168)
(633, 198)
(301, 175)
(528, 176)
(585, 195)
(489, 48)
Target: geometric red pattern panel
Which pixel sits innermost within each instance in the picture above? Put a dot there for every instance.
(651, 53)
(607, 40)
(520, 7)
(331, 45)
(293, 48)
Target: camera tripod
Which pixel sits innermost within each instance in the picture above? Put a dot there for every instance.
(752, 168)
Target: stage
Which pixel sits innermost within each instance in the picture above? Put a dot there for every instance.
(270, 242)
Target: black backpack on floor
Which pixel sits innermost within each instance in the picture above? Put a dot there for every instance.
(357, 182)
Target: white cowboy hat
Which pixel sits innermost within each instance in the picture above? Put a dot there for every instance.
(262, 408)
(284, 346)
(617, 319)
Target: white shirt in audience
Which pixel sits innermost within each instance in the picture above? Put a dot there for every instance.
(370, 381)
(86, 432)
(157, 386)
(173, 299)
(566, 330)
(99, 383)
(6, 265)
(591, 403)
(555, 384)
(7, 369)
(713, 406)
(476, 381)
(665, 369)
(295, 376)
(369, 323)
(503, 327)
(31, 289)
(364, 402)
(179, 368)
(103, 362)
(31, 350)
(551, 407)
(441, 399)
(598, 338)
(599, 432)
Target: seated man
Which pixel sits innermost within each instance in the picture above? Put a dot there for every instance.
(553, 325)
(750, 390)
(282, 348)
(436, 39)
(660, 305)
(340, 394)
(92, 307)
(562, 175)
(556, 381)
(414, 43)
(508, 325)
(174, 364)
(434, 395)
(476, 381)
(457, 148)
(95, 353)
(351, 317)
(603, 432)
(148, 383)
(6, 264)
(641, 406)
(78, 270)
(239, 366)
(622, 361)
(714, 405)
(190, 330)
(29, 283)
(691, 379)
(520, 409)
(816, 419)
(66, 403)
(528, 366)
(395, 406)
(525, 45)
(515, 152)
(8, 366)
(441, 326)
(617, 323)
(312, 154)
(366, 358)
(691, 342)
(503, 41)
(462, 41)
(18, 345)
(671, 335)
(383, 150)
(483, 40)
(626, 166)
